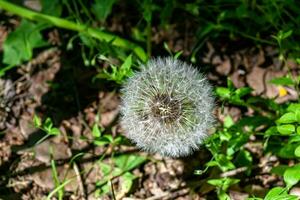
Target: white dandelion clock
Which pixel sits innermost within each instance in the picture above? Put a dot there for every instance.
(167, 108)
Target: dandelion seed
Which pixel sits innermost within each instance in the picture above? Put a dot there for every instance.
(167, 108)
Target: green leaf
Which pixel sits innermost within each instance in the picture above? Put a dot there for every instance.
(102, 8)
(216, 182)
(225, 135)
(178, 54)
(48, 124)
(286, 34)
(105, 168)
(124, 163)
(236, 142)
(53, 7)
(292, 176)
(286, 129)
(287, 151)
(127, 181)
(279, 170)
(48, 127)
(54, 131)
(223, 183)
(298, 116)
(37, 121)
(126, 66)
(223, 92)
(243, 158)
(254, 121)
(96, 131)
(230, 84)
(254, 198)
(287, 118)
(147, 8)
(279, 193)
(118, 140)
(86, 39)
(243, 91)
(228, 121)
(223, 196)
(297, 151)
(206, 30)
(282, 81)
(118, 74)
(108, 172)
(166, 12)
(223, 162)
(19, 44)
(102, 140)
(190, 7)
(294, 139)
(104, 189)
(294, 107)
(129, 162)
(281, 35)
(298, 130)
(271, 131)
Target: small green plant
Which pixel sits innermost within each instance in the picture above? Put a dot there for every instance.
(19, 45)
(118, 74)
(46, 126)
(277, 193)
(121, 167)
(222, 186)
(280, 137)
(59, 186)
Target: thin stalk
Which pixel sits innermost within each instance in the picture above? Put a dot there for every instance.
(69, 8)
(149, 47)
(57, 189)
(85, 10)
(77, 12)
(249, 36)
(4, 69)
(66, 24)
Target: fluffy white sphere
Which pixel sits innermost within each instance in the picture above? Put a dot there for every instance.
(167, 107)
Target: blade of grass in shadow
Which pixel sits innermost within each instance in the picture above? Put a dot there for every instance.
(58, 188)
(66, 24)
(56, 180)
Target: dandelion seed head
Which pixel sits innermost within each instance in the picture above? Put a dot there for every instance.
(167, 107)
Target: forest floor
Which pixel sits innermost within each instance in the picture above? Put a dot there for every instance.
(50, 86)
